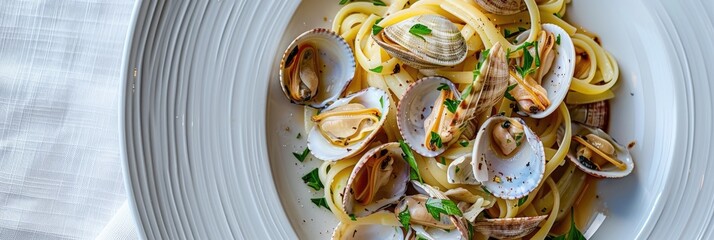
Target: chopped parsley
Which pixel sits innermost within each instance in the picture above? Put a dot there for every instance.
(443, 87)
(451, 105)
(466, 92)
(537, 55)
(420, 30)
(320, 202)
(421, 237)
(436, 207)
(405, 217)
(301, 156)
(522, 201)
(409, 156)
(381, 101)
(557, 15)
(518, 138)
(557, 40)
(573, 233)
(486, 190)
(376, 28)
(470, 229)
(377, 69)
(484, 55)
(352, 216)
(507, 94)
(509, 34)
(312, 179)
(443, 161)
(378, 3)
(436, 140)
(527, 67)
(343, 2)
(464, 143)
(457, 169)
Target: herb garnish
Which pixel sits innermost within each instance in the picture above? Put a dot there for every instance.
(405, 217)
(301, 156)
(320, 202)
(486, 190)
(343, 2)
(420, 30)
(381, 102)
(522, 201)
(451, 104)
(312, 179)
(573, 233)
(443, 86)
(436, 140)
(457, 169)
(443, 161)
(518, 139)
(352, 216)
(376, 28)
(377, 69)
(557, 40)
(557, 15)
(527, 67)
(464, 143)
(409, 156)
(466, 92)
(509, 34)
(436, 207)
(378, 3)
(299, 136)
(507, 94)
(484, 55)
(421, 237)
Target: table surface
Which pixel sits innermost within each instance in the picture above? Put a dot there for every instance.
(60, 172)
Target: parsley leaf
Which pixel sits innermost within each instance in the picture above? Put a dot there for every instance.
(457, 169)
(352, 216)
(343, 2)
(420, 30)
(537, 55)
(451, 105)
(527, 63)
(464, 143)
(381, 102)
(421, 237)
(405, 217)
(409, 156)
(522, 201)
(378, 69)
(312, 179)
(557, 40)
(573, 233)
(376, 28)
(320, 202)
(301, 156)
(470, 229)
(436, 140)
(509, 34)
(443, 161)
(557, 15)
(436, 207)
(443, 86)
(486, 190)
(378, 3)
(507, 94)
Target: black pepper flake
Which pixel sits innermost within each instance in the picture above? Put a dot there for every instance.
(397, 69)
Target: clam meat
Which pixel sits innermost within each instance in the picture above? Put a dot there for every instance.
(597, 154)
(378, 180)
(316, 68)
(344, 128)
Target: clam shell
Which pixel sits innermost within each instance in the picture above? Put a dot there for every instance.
(444, 47)
(557, 81)
(321, 147)
(623, 154)
(415, 107)
(464, 175)
(596, 115)
(367, 231)
(502, 7)
(336, 66)
(508, 228)
(508, 177)
(387, 194)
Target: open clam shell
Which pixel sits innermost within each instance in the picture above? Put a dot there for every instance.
(595, 115)
(556, 82)
(414, 108)
(512, 176)
(461, 172)
(459, 222)
(502, 7)
(316, 68)
(321, 144)
(508, 228)
(609, 170)
(378, 180)
(443, 47)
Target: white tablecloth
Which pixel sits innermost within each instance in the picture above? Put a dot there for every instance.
(60, 172)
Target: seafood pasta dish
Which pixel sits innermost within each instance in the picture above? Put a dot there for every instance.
(455, 119)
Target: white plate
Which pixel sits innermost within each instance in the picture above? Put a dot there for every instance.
(208, 156)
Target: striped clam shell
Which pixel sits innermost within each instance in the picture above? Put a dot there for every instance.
(443, 47)
(502, 7)
(596, 115)
(508, 228)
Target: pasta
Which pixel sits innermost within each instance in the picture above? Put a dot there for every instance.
(533, 44)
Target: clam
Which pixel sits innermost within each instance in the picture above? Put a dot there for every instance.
(316, 68)
(347, 126)
(417, 205)
(598, 154)
(509, 158)
(367, 231)
(540, 92)
(508, 228)
(502, 7)
(595, 115)
(433, 114)
(443, 46)
(378, 180)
